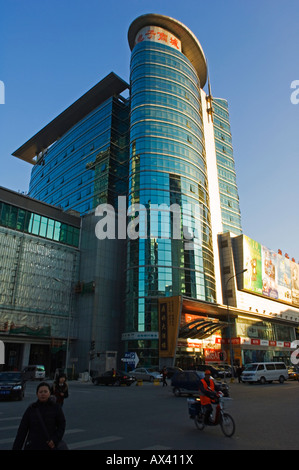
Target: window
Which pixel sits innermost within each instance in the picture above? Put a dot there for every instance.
(21, 221)
(43, 226)
(50, 229)
(34, 224)
(280, 366)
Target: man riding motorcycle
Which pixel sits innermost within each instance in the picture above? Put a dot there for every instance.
(208, 394)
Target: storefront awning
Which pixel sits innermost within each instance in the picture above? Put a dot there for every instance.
(201, 328)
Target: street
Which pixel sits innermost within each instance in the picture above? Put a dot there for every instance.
(149, 417)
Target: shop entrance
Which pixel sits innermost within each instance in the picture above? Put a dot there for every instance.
(188, 360)
(40, 354)
(13, 356)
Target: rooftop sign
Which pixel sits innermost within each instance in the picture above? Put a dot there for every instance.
(159, 35)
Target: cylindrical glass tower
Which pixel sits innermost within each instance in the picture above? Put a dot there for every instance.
(167, 166)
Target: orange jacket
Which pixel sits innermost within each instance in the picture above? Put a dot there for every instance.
(204, 398)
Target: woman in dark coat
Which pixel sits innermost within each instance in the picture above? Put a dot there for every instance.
(60, 389)
(43, 423)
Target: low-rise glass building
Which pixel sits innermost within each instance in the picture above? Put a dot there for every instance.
(39, 268)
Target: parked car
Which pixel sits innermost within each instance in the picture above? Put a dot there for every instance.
(187, 382)
(224, 371)
(203, 367)
(12, 385)
(34, 372)
(293, 373)
(142, 373)
(107, 378)
(172, 370)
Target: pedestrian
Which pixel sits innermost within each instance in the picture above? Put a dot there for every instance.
(164, 376)
(60, 389)
(239, 373)
(113, 375)
(42, 425)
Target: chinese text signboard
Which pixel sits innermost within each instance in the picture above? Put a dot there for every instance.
(160, 35)
(169, 312)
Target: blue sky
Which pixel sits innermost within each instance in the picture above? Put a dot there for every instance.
(53, 51)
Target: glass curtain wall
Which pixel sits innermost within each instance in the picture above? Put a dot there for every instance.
(25, 221)
(80, 168)
(31, 296)
(167, 166)
(229, 197)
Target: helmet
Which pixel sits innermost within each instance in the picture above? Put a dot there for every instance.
(207, 372)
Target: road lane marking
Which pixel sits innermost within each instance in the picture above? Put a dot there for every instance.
(157, 447)
(6, 428)
(11, 439)
(7, 441)
(93, 442)
(11, 417)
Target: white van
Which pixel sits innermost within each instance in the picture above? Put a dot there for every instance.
(34, 372)
(265, 372)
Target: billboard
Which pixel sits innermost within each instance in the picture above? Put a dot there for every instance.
(269, 273)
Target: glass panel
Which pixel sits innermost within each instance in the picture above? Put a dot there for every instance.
(43, 226)
(12, 218)
(21, 220)
(50, 228)
(57, 231)
(35, 224)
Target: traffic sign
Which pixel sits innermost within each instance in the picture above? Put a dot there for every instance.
(131, 358)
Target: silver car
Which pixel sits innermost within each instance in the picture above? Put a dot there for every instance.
(142, 373)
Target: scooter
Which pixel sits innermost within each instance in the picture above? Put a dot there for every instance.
(197, 412)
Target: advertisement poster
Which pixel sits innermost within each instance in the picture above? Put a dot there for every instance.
(284, 279)
(253, 263)
(269, 273)
(295, 283)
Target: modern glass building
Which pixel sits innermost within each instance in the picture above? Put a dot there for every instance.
(80, 158)
(39, 253)
(167, 166)
(167, 148)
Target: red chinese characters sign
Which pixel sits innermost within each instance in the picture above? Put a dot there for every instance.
(157, 34)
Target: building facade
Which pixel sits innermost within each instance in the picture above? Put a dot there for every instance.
(167, 166)
(39, 269)
(80, 158)
(167, 151)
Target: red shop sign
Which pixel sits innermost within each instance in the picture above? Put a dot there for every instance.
(255, 341)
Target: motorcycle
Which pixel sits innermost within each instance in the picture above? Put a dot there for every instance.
(220, 417)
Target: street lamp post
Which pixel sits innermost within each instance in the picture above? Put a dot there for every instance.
(228, 320)
(69, 325)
